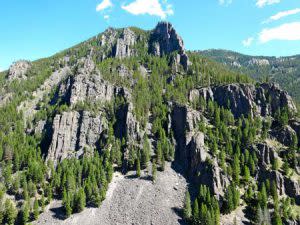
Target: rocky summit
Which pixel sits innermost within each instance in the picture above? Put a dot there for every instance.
(128, 127)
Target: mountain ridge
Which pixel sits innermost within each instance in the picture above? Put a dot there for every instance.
(132, 101)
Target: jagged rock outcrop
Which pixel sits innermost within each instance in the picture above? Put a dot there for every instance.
(123, 49)
(73, 131)
(247, 99)
(87, 85)
(266, 154)
(276, 176)
(284, 135)
(18, 70)
(192, 153)
(165, 40)
(197, 150)
(292, 189)
(295, 124)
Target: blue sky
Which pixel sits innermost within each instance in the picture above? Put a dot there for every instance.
(33, 29)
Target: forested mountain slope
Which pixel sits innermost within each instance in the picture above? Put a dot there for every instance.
(282, 70)
(131, 100)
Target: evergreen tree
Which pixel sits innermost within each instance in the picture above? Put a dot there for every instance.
(187, 212)
(263, 197)
(25, 213)
(138, 167)
(236, 169)
(10, 212)
(196, 211)
(276, 219)
(145, 153)
(68, 208)
(80, 200)
(246, 174)
(154, 171)
(36, 210)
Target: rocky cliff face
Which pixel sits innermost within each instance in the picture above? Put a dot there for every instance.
(73, 132)
(165, 40)
(247, 99)
(242, 99)
(192, 152)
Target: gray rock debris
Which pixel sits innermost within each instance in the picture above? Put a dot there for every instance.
(18, 70)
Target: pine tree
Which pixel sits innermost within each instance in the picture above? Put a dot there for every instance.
(10, 212)
(187, 211)
(275, 164)
(25, 213)
(236, 169)
(43, 202)
(196, 211)
(154, 171)
(36, 211)
(80, 200)
(276, 219)
(263, 197)
(68, 208)
(246, 174)
(145, 153)
(138, 167)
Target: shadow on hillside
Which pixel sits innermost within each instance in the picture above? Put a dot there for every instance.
(179, 212)
(58, 213)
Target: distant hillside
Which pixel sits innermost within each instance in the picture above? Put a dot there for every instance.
(283, 70)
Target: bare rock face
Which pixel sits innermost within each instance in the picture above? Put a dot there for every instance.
(73, 131)
(266, 154)
(275, 176)
(18, 70)
(192, 153)
(165, 40)
(87, 85)
(64, 137)
(295, 124)
(292, 189)
(284, 135)
(197, 150)
(247, 99)
(123, 46)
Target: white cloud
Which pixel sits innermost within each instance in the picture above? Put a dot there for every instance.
(225, 2)
(248, 41)
(262, 3)
(151, 7)
(106, 17)
(1, 69)
(287, 31)
(104, 5)
(283, 14)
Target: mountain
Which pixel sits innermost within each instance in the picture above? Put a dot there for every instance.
(282, 70)
(131, 126)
